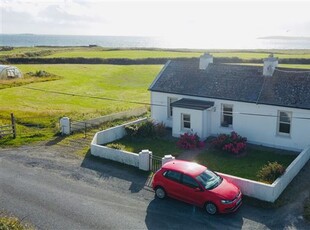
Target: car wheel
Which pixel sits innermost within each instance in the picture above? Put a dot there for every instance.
(210, 208)
(160, 192)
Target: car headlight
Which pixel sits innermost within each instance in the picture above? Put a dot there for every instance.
(227, 201)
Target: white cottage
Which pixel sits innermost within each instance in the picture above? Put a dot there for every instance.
(268, 105)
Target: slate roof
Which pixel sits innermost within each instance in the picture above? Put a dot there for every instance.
(193, 104)
(287, 87)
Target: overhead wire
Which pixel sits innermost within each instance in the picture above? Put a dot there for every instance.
(145, 103)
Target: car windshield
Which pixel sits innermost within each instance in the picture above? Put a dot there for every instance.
(209, 179)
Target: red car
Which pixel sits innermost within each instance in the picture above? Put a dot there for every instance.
(195, 184)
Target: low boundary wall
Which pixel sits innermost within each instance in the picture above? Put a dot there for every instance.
(80, 125)
(140, 160)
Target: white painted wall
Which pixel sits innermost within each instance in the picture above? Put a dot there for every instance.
(112, 134)
(258, 129)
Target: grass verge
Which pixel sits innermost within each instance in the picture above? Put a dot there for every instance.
(9, 222)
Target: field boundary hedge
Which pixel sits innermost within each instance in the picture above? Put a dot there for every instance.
(142, 61)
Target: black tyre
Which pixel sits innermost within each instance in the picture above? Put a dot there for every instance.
(160, 192)
(210, 208)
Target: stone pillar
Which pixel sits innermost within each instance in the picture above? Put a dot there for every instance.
(144, 159)
(65, 126)
(166, 159)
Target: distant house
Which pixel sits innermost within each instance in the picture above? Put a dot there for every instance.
(268, 105)
(9, 72)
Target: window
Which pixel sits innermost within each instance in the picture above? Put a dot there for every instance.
(169, 107)
(186, 121)
(172, 175)
(284, 122)
(190, 182)
(227, 115)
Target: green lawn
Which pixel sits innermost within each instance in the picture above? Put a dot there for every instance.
(159, 147)
(246, 166)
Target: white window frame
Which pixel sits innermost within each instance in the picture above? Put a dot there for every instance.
(170, 100)
(185, 121)
(279, 122)
(227, 114)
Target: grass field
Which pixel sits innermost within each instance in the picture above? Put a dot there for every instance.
(130, 54)
(43, 103)
(129, 83)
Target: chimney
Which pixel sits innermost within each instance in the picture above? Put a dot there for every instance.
(270, 64)
(205, 60)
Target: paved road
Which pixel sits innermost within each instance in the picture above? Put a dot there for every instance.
(53, 190)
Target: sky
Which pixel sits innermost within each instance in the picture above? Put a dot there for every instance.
(186, 19)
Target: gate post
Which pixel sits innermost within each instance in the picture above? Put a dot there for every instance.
(65, 125)
(13, 125)
(166, 159)
(144, 160)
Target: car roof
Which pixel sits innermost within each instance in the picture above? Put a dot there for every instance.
(186, 167)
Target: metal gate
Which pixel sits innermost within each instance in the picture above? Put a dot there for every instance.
(155, 163)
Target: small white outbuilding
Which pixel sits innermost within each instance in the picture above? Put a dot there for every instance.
(9, 72)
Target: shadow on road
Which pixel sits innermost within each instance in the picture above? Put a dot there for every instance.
(173, 214)
(108, 169)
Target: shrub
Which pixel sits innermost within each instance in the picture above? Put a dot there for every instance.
(116, 146)
(160, 129)
(147, 129)
(232, 143)
(190, 141)
(270, 172)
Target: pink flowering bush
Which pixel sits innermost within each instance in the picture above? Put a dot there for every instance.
(190, 141)
(232, 143)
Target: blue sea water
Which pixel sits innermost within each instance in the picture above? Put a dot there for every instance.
(30, 40)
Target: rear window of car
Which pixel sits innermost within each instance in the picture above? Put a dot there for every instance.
(172, 175)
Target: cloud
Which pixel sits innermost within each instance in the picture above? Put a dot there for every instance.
(161, 18)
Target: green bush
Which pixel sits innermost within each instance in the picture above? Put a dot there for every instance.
(116, 146)
(147, 129)
(270, 172)
(160, 129)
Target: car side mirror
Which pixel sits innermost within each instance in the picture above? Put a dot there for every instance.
(198, 189)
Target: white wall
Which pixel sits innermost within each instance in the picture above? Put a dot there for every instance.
(112, 134)
(258, 129)
(196, 121)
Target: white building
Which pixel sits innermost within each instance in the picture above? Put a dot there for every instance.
(9, 72)
(268, 105)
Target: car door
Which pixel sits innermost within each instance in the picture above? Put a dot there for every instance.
(172, 183)
(191, 191)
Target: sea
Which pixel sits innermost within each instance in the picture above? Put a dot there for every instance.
(32, 40)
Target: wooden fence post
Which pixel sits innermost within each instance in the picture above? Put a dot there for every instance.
(13, 125)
